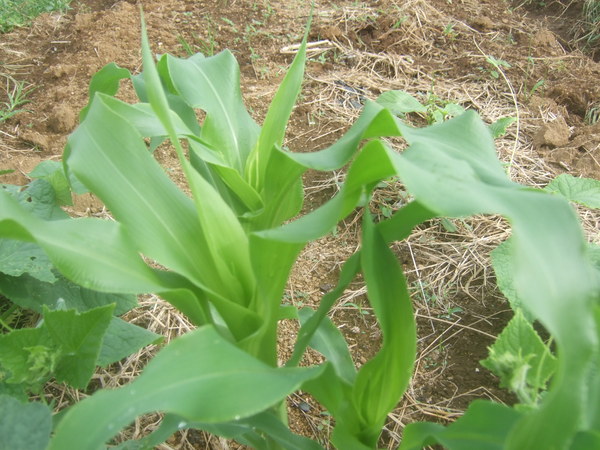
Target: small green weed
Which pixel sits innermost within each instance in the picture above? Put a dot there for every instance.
(16, 93)
(539, 84)
(592, 115)
(17, 13)
(449, 31)
(496, 66)
(439, 110)
(207, 46)
(398, 23)
(590, 24)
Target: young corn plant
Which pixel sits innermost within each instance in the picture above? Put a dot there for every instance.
(223, 254)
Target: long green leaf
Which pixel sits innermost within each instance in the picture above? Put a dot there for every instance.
(551, 270)
(370, 166)
(382, 381)
(484, 426)
(374, 121)
(273, 129)
(227, 243)
(106, 81)
(212, 84)
(311, 324)
(94, 253)
(329, 341)
(205, 387)
(159, 218)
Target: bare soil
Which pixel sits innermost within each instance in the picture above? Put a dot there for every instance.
(428, 48)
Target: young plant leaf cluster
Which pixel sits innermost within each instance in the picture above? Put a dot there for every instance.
(223, 254)
(78, 329)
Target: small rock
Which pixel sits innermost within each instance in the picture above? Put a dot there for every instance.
(553, 134)
(544, 43)
(483, 23)
(83, 21)
(304, 406)
(326, 287)
(331, 32)
(34, 138)
(63, 119)
(62, 70)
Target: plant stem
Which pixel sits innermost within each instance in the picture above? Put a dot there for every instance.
(5, 315)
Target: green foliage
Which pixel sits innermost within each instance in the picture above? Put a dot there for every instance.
(590, 23)
(24, 426)
(482, 427)
(400, 103)
(521, 360)
(501, 261)
(499, 127)
(15, 93)
(435, 110)
(495, 66)
(224, 254)
(65, 345)
(16, 13)
(205, 388)
(77, 329)
(584, 191)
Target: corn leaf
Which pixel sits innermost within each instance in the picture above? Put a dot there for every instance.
(212, 84)
(106, 81)
(554, 282)
(273, 129)
(484, 426)
(158, 217)
(329, 341)
(227, 246)
(382, 380)
(592, 414)
(94, 253)
(310, 325)
(374, 121)
(369, 167)
(203, 388)
(585, 440)
(282, 195)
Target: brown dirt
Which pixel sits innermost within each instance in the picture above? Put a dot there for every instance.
(425, 47)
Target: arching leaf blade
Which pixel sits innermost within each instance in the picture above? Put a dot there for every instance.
(220, 384)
